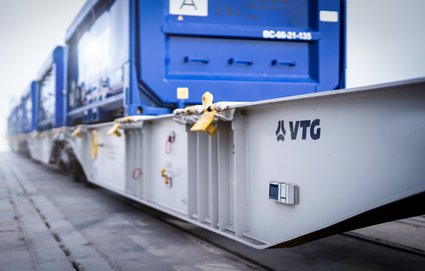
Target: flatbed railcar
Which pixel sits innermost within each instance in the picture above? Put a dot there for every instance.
(278, 155)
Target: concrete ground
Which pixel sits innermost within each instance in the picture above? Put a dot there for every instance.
(408, 234)
(49, 222)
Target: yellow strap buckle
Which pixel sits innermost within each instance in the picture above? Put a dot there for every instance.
(205, 122)
(77, 132)
(114, 130)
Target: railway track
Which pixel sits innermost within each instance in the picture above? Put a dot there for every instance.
(126, 235)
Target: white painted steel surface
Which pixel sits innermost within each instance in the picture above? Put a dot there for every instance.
(109, 166)
(148, 148)
(370, 153)
(40, 146)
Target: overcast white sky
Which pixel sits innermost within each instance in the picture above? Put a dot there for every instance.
(29, 30)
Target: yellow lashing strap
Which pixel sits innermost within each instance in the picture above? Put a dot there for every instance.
(205, 122)
(94, 144)
(77, 132)
(114, 130)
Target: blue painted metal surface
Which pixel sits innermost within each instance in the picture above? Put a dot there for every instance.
(128, 57)
(50, 87)
(98, 62)
(29, 109)
(35, 105)
(20, 117)
(60, 85)
(240, 51)
(15, 121)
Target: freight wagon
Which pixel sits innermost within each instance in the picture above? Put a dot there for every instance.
(278, 153)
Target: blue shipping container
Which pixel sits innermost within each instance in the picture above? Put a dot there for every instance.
(128, 57)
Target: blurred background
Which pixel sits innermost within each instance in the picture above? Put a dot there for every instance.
(29, 31)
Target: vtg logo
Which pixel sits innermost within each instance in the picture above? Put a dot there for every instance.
(307, 127)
